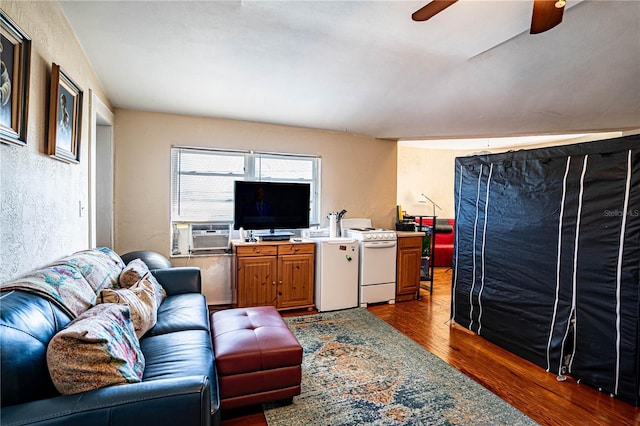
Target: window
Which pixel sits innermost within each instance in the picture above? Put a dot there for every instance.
(202, 181)
(202, 184)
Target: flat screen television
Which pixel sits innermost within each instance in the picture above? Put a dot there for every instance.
(271, 205)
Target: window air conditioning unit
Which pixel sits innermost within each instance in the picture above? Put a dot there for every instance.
(209, 236)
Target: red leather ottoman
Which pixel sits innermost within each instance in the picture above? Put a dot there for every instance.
(257, 357)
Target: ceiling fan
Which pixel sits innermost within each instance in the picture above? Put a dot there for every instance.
(546, 13)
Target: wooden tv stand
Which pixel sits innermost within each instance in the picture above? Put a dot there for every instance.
(278, 273)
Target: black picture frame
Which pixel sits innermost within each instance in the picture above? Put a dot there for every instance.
(14, 82)
(65, 117)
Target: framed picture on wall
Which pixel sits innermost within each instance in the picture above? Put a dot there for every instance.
(65, 117)
(15, 56)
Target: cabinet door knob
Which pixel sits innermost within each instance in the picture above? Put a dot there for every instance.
(257, 250)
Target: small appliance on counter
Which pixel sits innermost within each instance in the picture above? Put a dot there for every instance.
(405, 222)
(315, 232)
(406, 225)
(335, 223)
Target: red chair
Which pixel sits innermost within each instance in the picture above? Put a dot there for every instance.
(445, 233)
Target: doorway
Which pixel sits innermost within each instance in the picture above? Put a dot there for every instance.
(101, 175)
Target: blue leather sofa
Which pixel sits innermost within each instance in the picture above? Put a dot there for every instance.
(179, 384)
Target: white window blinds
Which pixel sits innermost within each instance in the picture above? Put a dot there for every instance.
(202, 180)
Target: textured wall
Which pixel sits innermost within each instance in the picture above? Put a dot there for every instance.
(39, 205)
(358, 174)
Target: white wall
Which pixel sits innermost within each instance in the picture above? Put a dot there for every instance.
(39, 207)
(427, 171)
(358, 174)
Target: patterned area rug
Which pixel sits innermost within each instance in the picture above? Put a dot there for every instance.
(359, 370)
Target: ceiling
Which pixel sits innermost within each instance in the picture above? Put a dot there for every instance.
(365, 67)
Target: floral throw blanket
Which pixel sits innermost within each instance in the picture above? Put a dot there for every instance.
(73, 282)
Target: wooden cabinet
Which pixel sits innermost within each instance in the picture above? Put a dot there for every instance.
(256, 280)
(408, 268)
(274, 273)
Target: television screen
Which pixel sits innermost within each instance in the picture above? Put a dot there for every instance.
(271, 205)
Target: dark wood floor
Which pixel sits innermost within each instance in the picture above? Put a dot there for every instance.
(521, 383)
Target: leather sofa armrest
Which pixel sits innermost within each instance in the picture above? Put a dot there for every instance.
(179, 280)
(177, 401)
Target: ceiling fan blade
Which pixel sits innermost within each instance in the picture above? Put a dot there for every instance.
(545, 15)
(431, 9)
